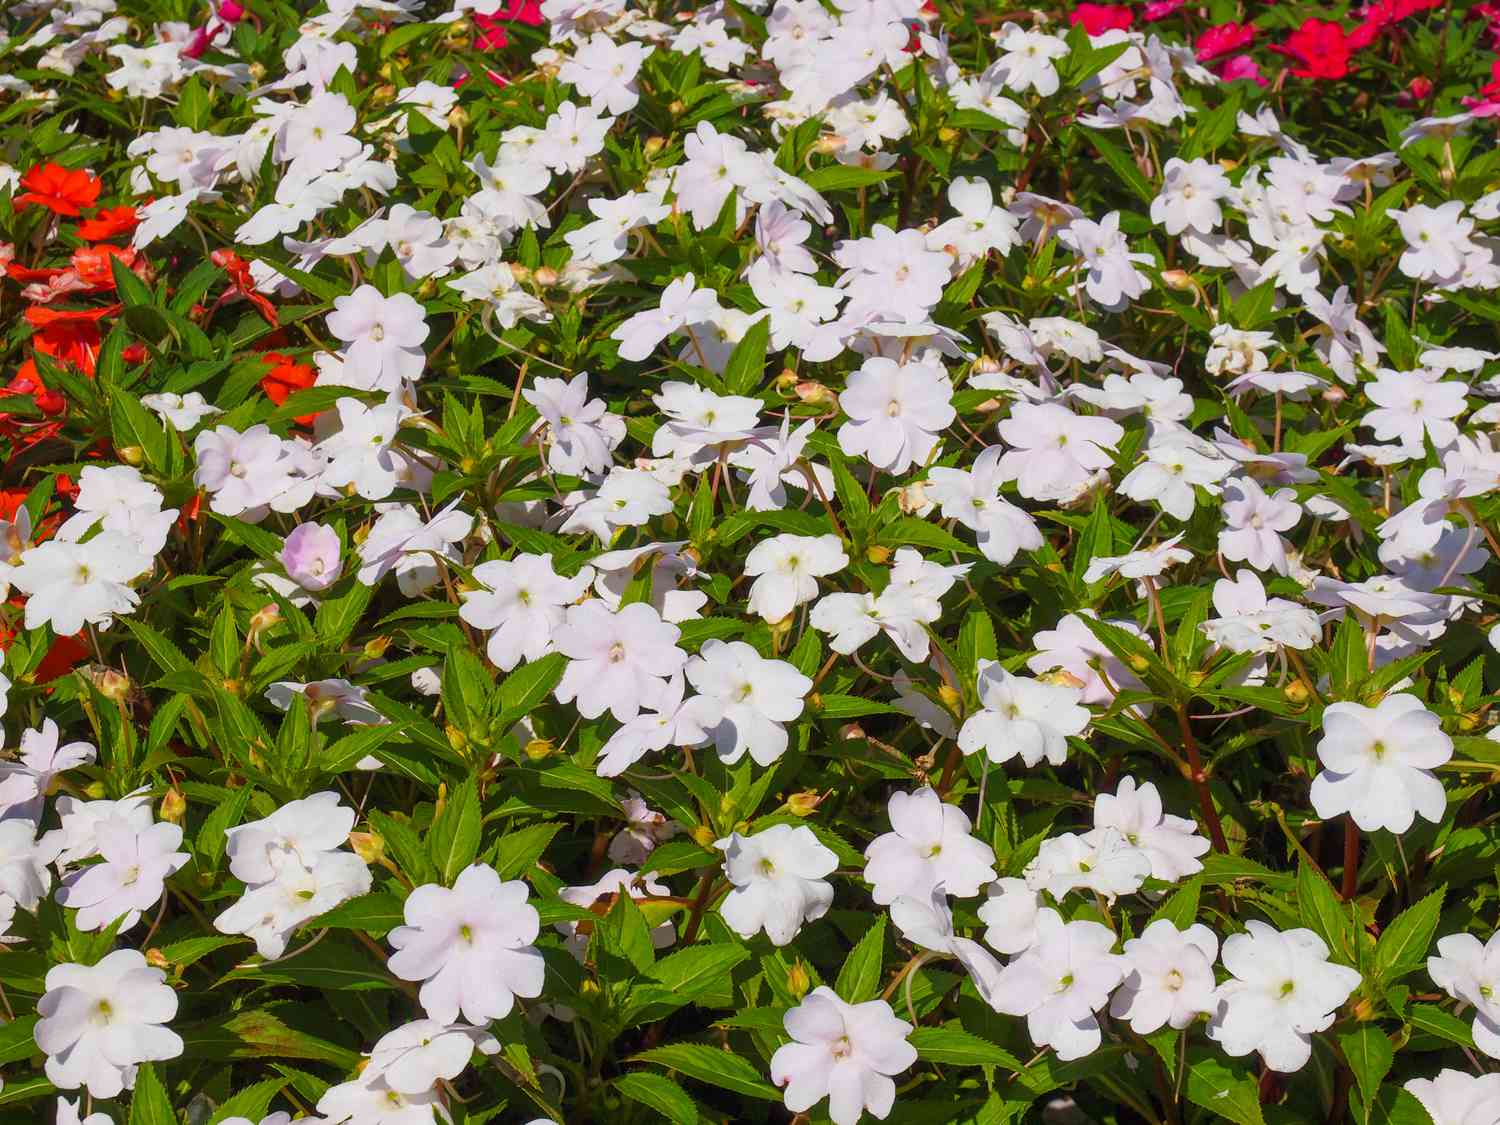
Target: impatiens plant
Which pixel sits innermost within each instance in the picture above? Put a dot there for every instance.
(774, 562)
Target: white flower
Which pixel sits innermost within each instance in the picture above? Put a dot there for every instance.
(1437, 240)
(1027, 58)
(1252, 523)
(69, 585)
(972, 497)
(1171, 843)
(1170, 475)
(24, 877)
(99, 1022)
(1377, 764)
(1060, 981)
(896, 412)
(183, 411)
(1411, 404)
(371, 1101)
(1110, 278)
(1282, 991)
(682, 305)
(1470, 972)
(928, 922)
(1250, 622)
(471, 945)
(25, 783)
(270, 912)
(412, 1058)
(382, 335)
(786, 569)
(844, 1052)
(581, 432)
(779, 881)
(1010, 911)
(929, 846)
(751, 697)
(130, 877)
(1456, 1098)
(669, 720)
(1171, 977)
(1101, 862)
(1055, 453)
(1189, 198)
(362, 450)
(522, 603)
(617, 661)
(1024, 716)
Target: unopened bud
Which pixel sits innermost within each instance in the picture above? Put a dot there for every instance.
(877, 554)
(951, 699)
(112, 684)
(131, 454)
(947, 135)
(382, 95)
(157, 959)
(913, 499)
(985, 365)
(704, 836)
(852, 732)
(829, 143)
(369, 846)
(458, 117)
(803, 804)
(375, 647)
(456, 738)
(1295, 692)
(1334, 395)
(1180, 280)
(546, 277)
(780, 629)
(1062, 678)
(427, 290)
(257, 71)
(539, 748)
(812, 392)
(173, 806)
(797, 980)
(989, 406)
(1139, 663)
(677, 108)
(654, 145)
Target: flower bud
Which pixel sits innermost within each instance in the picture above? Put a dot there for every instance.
(947, 135)
(803, 804)
(677, 108)
(173, 806)
(375, 647)
(132, 454)
(829, 143)
(1139, 663)
(369, 846)
(111, 684)
(539, 748)
(262, 619)
(1295, 692)
(985, 365)
(1180, 280)
(797, 980)
(458, 117)
(704, 836)
(654, 145)
(1334, 395)
(456, 738)
(951, 699)
(913, 498)
(157, 959)
(546, 277)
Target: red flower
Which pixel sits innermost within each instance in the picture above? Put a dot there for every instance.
(1224, 39)
(109, 222)
(28, 381)
(1321, 47)
(1099, 18)
(1161, 9)
(285, 378)
(69, 335)
(65, 654)
(92, 264)
(62, 191)
(1242, 67)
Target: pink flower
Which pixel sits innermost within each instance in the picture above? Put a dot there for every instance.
(1099, 18)
(1223, 39)
(1242, 66)
(231, 11)
(1161, 9)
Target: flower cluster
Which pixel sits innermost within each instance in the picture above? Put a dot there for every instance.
(606, 561)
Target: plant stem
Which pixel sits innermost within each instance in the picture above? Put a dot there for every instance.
(1200, 782)
(1351, 858)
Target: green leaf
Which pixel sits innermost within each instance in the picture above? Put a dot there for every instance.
(1403, 944)
(252, 1102)
(976, 642)
(149, 1104)
(961, 1048)
(1324, 914)
(518, 851)
(1181, 909)
(1226, 1087)
(624, 933)
(16, 1040)
(528, 685)
(134, 426)
(1369, 1054)
(697, 968)
(747, 363)
(1434, 1021)
(837, 177)
(338, 616)
(859, 979)
(654, 1091)
(1121, 164)
(908, 531)
(453, 841)
(723, 1069)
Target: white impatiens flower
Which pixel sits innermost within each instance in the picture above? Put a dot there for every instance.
(1248, 621)
(382, 335)
(1456, 1098)
(846, 1053)
(1253, 521)
(1171, 977)
(928, 922)
(100, 1022)
(751, 697)
(69, 585)
(1282, 991)
(896, 412)
(1024, 716)
(522, 604)
(1010, 912)
(1171, 843)
(929, 845)
(1190, 195)
(581, 433)
(1055, 453)
(1060, 982)
(972, 497)
(25, 783)
(786, 569)
(617, 661)
(130, 877)
(1026, 59)
(1101, 862)
(471, 945)
(1378, 763)
(1469, 971)
(779, 876)
(412, 1058)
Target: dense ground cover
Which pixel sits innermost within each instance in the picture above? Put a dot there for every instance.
(767, 562)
